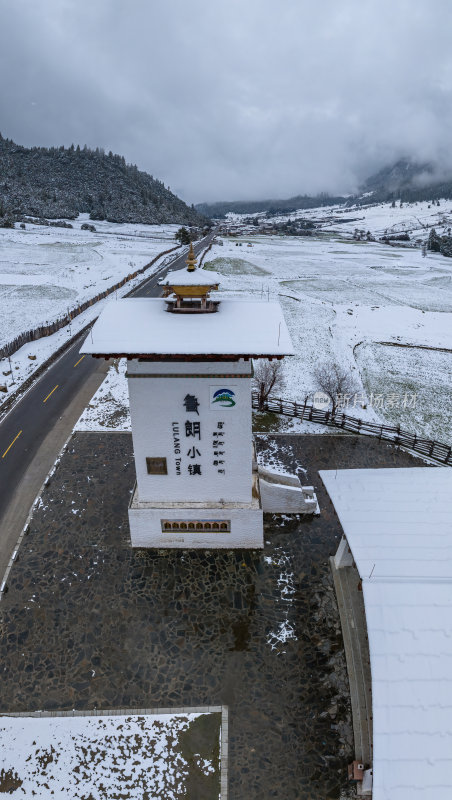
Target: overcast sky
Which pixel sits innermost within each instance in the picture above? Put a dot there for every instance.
(232, 99)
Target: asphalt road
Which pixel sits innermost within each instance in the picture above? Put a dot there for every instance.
(26, 426)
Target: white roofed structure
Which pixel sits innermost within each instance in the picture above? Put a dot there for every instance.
(190, 390)
(198, 277)
(398, 525)
(137, 327)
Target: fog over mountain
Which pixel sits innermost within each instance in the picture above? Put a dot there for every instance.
(242, 100)
(406, 181)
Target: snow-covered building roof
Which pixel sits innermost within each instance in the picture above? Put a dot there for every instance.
(142, 326)
(197, 277)
(398, 524)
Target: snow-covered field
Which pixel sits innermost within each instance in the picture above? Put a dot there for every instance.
(26, 360)
(44, 271)
(102, 757)
(342, 300)
(425, 374)
(416, 219)
(340, 297)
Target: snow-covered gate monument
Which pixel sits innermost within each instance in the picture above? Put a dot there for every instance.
(189, 375)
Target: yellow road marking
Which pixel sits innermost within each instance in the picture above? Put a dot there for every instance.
(55, 387)
(9, 448)
(78, 362)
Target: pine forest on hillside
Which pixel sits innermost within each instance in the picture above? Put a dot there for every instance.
(56, 182)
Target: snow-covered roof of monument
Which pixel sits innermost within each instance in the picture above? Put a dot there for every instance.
(142, 326)
(197, 277)
(398, 523)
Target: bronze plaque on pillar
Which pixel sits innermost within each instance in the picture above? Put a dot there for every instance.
(156, 466)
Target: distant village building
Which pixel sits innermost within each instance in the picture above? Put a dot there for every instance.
(189, 374)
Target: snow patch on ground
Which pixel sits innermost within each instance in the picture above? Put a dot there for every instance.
(96, 757)
(108, 410)
(271, 458)
(285, 583)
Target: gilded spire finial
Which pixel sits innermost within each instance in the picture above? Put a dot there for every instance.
(191, 260)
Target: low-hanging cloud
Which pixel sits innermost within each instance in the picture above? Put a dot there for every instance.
(245, 99)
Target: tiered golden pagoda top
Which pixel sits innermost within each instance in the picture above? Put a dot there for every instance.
(189, 289)
(191, 260)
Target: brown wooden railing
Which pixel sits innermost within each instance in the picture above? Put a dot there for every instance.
(437, 451)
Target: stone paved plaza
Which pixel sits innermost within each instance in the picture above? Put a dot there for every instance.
(89, 623)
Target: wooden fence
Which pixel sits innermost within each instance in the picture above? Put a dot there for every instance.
(438, 451)
(51, 327)
(204, 254)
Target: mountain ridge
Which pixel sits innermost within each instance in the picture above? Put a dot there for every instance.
(221, 208)
(59, 182)
(405, 179)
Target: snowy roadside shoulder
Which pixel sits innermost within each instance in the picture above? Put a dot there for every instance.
(108, 409)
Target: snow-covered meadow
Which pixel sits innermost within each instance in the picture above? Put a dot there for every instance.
(124, 247)
(416, 219)
(383, 312)
(98, 757)
(341, 298)
(44, 271)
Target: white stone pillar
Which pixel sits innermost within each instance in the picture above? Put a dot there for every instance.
(343, 557)
(191, 428)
